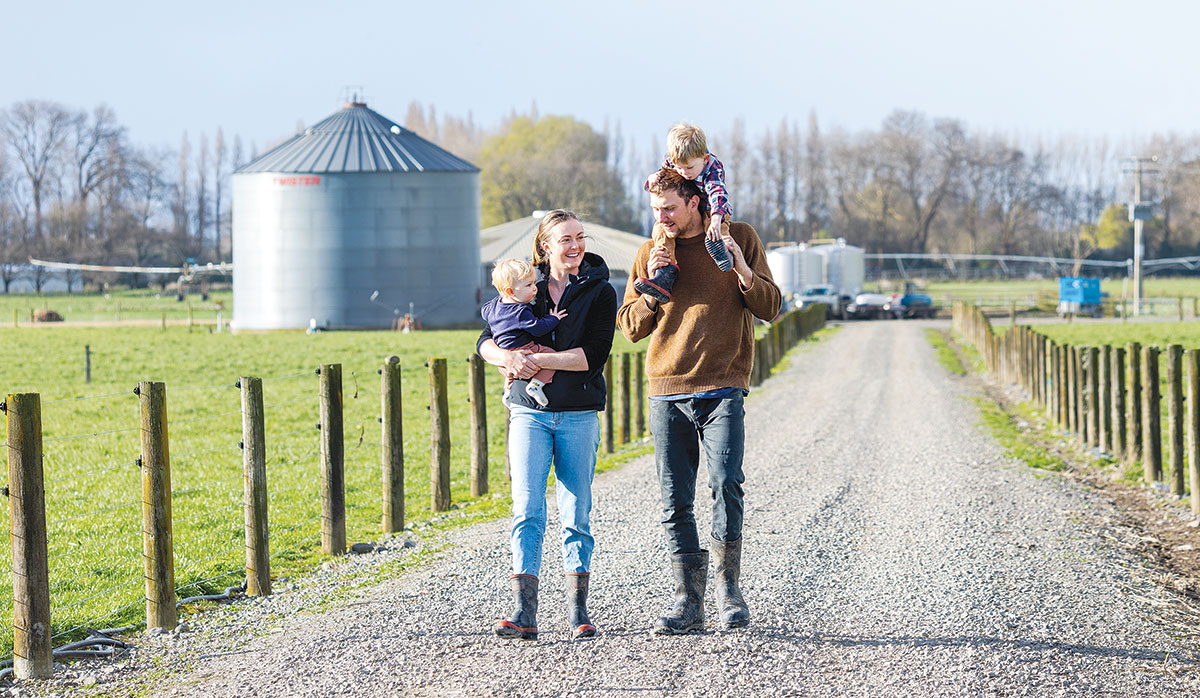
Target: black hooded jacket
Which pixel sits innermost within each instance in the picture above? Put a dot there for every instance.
(591, 305)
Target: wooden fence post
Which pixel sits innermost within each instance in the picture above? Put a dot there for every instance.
(1175, 414)
(254, 488)
(507, 432)
(439, 436)
(623, 417)
(333, 461)
(639, 413)
(479, 439)
(392, 444)
(1133, 402)
(1069, 388)
(1193, 429)
(1094, 402)
(1043, 376)
(606, 421)
(1083, 419)
(1118, 401)
(87, 363)
(157, 546)
(1055, 381)
(32, 657)
(1104, 398)
(1151, 417)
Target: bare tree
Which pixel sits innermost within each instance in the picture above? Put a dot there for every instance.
(414, 120)
(218, 181)
(925, 160)
(37, 131)
(816, 194)
(180, 203)
(202, 196)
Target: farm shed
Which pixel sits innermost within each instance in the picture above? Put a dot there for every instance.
(351, 221)
(515, 239)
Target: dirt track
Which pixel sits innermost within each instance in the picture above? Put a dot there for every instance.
(890, 549)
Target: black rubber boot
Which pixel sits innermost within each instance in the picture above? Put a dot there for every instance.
(690, 571)
(522, 624)
(728, 558)
(577, 591)
(659, 286)
(716, 250)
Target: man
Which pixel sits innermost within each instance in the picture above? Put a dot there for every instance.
(698, 365)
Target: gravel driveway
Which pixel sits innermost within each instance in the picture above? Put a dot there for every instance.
(890, 550)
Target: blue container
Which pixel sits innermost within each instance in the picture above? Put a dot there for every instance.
(1077, 289)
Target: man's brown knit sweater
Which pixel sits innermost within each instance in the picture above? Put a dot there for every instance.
(703, 339)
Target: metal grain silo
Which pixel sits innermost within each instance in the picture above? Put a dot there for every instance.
(352, 206)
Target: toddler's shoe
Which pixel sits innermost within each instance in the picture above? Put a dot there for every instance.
(660, 284)
(534, 390)
(720, 255)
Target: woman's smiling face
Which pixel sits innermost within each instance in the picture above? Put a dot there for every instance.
(565, 246)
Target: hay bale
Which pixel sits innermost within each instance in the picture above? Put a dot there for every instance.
(46, 315)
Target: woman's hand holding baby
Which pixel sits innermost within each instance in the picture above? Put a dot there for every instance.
(518, 364)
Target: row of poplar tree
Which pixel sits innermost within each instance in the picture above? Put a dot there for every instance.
(74, 187)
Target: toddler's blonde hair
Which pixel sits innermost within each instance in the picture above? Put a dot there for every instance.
(507, 272)
(685, 142)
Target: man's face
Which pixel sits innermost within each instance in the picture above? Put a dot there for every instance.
(692, 168)
(678, 217)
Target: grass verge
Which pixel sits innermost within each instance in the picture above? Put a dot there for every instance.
(946, 355)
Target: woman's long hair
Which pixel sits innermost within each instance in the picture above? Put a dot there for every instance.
(551, 219)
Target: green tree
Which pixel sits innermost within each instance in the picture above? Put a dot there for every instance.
(552, 162)
(1112, 230)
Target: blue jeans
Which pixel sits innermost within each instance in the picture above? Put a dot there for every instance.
(569, 440)
(680, 428)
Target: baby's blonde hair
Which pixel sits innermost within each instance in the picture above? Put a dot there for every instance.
(685, 142)
(507, 272)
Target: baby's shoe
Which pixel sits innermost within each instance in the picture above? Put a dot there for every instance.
(720, 255)
(659, 286)
(534, 390)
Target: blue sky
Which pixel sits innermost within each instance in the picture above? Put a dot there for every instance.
(1122, 69)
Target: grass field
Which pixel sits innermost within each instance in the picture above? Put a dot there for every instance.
(1153, 286)
(141, 305)
(91, 441)
(1161, 334)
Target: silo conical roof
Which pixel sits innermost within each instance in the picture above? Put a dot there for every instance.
(357, 139)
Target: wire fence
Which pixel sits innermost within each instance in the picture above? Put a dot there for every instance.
(108, 507)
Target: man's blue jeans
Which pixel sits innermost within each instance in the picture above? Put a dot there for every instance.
(536, 440)
(681, 428)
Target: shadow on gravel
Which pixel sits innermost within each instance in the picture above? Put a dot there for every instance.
(977, 642)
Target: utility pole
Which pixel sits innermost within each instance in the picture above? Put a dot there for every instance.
(1139, 212)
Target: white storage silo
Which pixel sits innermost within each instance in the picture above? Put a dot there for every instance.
(352, 206)
(852, 264)
(784, 263)
(811, 265)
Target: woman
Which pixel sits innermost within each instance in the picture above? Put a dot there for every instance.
(566, 432)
